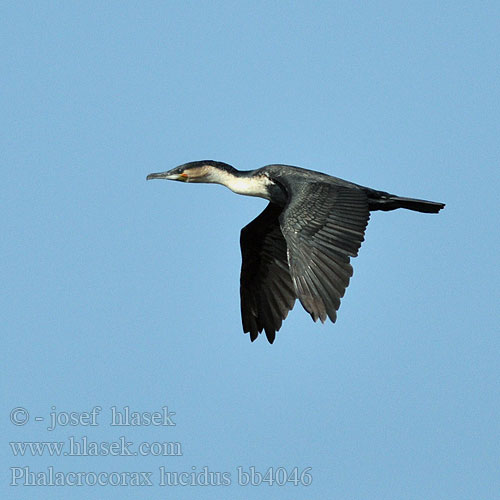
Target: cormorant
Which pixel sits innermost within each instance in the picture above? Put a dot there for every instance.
(301, 244)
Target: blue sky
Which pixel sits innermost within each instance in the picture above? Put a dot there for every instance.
(123, 293)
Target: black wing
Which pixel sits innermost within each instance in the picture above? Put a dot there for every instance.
(266, 288)
(323, 225)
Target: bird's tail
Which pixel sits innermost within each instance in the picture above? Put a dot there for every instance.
(428, 207)
(386, 202)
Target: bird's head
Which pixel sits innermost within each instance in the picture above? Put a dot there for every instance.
(195, 171)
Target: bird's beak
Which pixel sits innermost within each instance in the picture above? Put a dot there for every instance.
(169, 175)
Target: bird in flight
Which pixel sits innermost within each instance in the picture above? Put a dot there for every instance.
(300, 246)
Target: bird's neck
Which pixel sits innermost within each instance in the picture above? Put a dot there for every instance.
(248, 185)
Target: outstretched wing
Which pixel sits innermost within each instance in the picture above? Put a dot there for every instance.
(323, 226)
(266, 288)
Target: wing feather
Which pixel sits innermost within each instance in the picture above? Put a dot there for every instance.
(266, 289)
(323, 225)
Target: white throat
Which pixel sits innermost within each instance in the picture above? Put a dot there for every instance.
(248, 186)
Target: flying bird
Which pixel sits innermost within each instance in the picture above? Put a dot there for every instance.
(300, 246)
